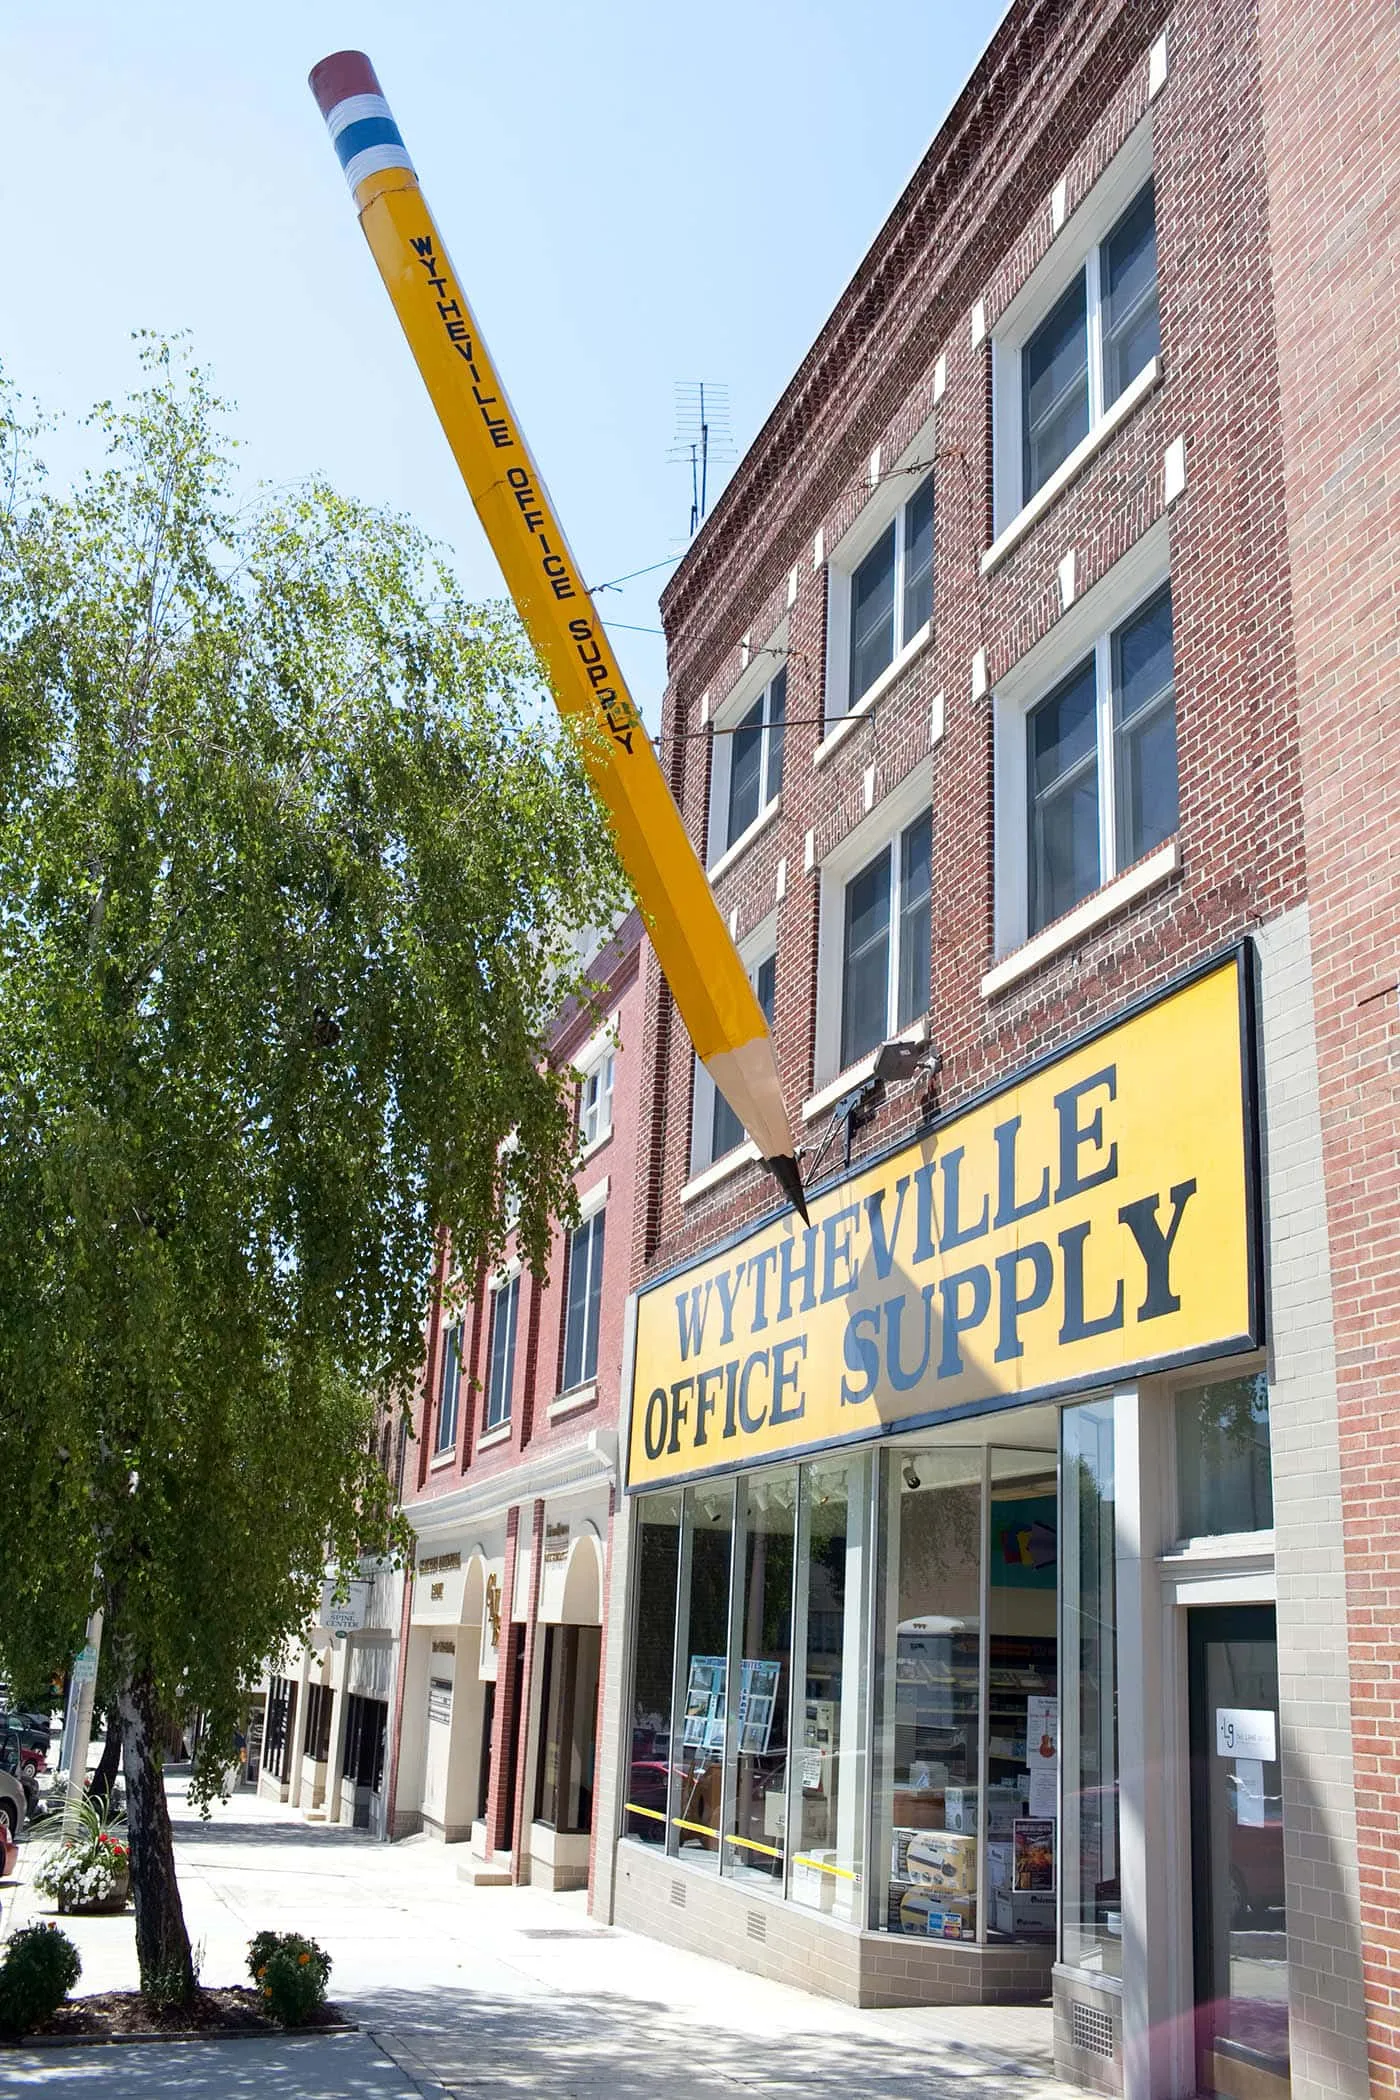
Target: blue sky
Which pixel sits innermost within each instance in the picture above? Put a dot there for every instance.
(633, 194)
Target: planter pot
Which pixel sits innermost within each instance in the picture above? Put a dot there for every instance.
(107, 1906)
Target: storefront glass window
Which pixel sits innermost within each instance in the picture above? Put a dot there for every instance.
(702, 1675)
(647, 1804)
(1224, 1481)
(1022, 1791)
(755, 1827)
(827, 1786)
(1091, 1904)
(928, 1669)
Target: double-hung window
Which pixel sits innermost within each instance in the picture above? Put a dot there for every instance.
(891, 594)
(716, 1129)
(449, 1386)
(1069, 349)
(595, 1100)
(583, 1297)
(1101, 776)
(755, 760)
(887, 942)
(726, 1131)
(505, 1305)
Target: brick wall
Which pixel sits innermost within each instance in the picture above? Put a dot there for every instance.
(1332, 124)
(1060, 90)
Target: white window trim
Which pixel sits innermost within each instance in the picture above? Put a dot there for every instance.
(886, 501)
(1083, 630)
(1074, 249)
(884, 824)
(855, 1075)
(728, 1163)
(834, 738)
(762, 668)
(574, 1401)
(592, 1199)
(603, 1043)
(505, 1276)
(489, 1438)
(1094, 440)
(754, 949)
(1105, 904)
(741, 845)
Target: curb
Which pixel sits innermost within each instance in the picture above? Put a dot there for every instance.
(153, 2034)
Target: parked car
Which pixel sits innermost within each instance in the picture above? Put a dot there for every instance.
(17, 1762)
(13, 1812)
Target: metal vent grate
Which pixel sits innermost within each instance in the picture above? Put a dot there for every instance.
(1092, 2029)
(678, 1894)
(758, 1925)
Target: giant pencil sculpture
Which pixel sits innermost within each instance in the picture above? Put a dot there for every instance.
(692, 943)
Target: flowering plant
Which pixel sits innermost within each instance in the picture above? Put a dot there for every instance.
(88, 1863)
(291, 1972)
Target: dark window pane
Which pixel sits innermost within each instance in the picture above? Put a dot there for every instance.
(1054, 389)
(1062, 766)
(872, 615)
(915, 925)
(726, 1131)
(1131, 335)
(448, 1387)
(865, 992)
(1144, 731)
(502, 1378)
(918, 560)
(1223, 1460)
(745, 772)
(765, 984)
(777, 714)
(595, 1296)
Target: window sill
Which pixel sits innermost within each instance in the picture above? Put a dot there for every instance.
(745, 839)
(594, 1145)
(1134, 392)
(489, 1438)
(856, 1075)
(834, 738)
(440, 1460)
(710, 1177)
(1062, 933)
(573, 1403)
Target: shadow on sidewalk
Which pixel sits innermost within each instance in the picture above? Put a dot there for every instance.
(632, 2049)
(191, 1830)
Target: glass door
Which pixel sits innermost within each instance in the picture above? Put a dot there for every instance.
(1237, 1877)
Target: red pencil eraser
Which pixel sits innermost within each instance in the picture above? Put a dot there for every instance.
(343, 74)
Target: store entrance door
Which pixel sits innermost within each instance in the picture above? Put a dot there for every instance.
(1240, 1925)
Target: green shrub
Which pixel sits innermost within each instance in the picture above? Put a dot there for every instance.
(40, 1968)
(291, 1972)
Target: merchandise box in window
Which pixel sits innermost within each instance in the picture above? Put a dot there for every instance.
(999, 1864)
(1004, 1804)
(1025, 1915)
(933, 1915)
(810, 1886)
(944, 1860)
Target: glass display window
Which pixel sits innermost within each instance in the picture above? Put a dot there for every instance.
(1091, 1899)
(702, 1674)
(1224, 1475)
(647, 1803)
(828, 1794)
(756, 1819)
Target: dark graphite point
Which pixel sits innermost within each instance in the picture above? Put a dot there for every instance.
(788, 1175)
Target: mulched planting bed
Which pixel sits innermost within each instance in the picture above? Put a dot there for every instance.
(114, 2015)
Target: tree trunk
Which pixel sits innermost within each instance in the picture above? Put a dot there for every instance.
(105, 1777)
(162, 1943)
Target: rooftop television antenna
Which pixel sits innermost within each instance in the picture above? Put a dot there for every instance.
(702, 435)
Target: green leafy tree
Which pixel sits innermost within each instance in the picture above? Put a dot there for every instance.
(293, 866)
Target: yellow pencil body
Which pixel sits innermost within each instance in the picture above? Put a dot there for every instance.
(693, 946)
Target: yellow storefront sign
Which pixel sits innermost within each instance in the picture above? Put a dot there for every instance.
(1094, 1218)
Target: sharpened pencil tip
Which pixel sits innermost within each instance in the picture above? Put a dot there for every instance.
(788, 1175)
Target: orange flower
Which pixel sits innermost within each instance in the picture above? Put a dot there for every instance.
(303, 1959)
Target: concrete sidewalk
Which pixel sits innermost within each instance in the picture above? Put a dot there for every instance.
(502, 1991)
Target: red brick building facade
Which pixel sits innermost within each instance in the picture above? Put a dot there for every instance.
(1029, 675)
(510, 1488)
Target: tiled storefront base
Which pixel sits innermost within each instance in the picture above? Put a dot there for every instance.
(1088, 2032)
(788, 1944)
